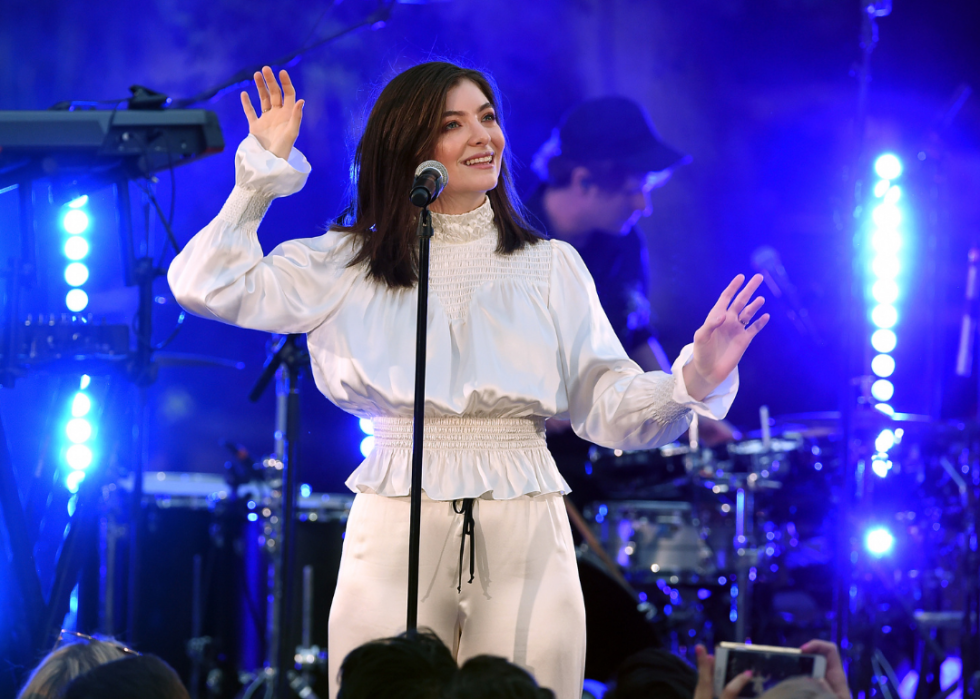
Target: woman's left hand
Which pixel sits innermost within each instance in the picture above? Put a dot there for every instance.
(727, 331)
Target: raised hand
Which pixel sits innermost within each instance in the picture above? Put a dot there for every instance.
(723, 338)
(277, 127)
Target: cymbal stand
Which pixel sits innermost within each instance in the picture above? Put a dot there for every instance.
(286, 362)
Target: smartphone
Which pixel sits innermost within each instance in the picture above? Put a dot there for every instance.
(769, 665)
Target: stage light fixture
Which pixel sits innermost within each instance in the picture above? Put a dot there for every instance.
(883, 365)
(882, 390)
(879, 541)
(78, 457)
(884, 315)
(881, 188)
(886, 266)
(887, 216)
(76, 274)
(75, 221)
(886, 241)
(367, 445)
(881, 465)
(888, 166)
(76, 248)
(367, 427)
(85, 382)
(80, 405)
(884, 408)
(79, 202)
(884, 340)
(885, 291)
(76, 300)
(885, 440)
(78, 430)
(73, 479)
(893, 195)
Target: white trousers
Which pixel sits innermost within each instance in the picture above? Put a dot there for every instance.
(525, 603)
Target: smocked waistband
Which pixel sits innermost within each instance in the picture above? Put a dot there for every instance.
(485, 434)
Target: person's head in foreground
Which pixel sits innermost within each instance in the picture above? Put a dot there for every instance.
(133, 677)
(490, 677)
(66, 662)
(653, 672)
(414, 665)
(432, 111)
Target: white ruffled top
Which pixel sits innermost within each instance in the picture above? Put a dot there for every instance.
(512, 339)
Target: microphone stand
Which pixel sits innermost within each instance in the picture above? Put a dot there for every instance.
(415, 525)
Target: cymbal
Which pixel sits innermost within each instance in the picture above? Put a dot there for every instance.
(828, 422)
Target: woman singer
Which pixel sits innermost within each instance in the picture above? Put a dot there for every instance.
(515, 336)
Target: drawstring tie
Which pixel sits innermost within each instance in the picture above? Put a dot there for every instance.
(468, 527)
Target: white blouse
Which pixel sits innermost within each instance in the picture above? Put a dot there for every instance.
(512, 339)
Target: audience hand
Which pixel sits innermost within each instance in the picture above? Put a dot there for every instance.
(277, 127)
(706, 678)
(834, 677)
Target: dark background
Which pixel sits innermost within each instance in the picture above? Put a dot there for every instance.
(761, 93)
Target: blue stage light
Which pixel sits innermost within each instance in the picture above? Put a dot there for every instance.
(881, 188)
(76, 300)
(882, 390)
(76, 248)
(884, 340)
(78, 457)
(85, 382)
(73, 479)
(884, 408)
(885, 291)
(884, 315)
(888, 166)
(305, 490)
(79, 202)
(76, 274)
(75, 221)
(883, 365)
(886, 241)
(885, 440)
(80, 405)
(893, 195)
(886, 266)
(879, 541)
(78, 430)
(881, 465)
(367, 427)
(887, 216)
(367, 445)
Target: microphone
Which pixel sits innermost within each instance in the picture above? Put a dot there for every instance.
(430, 179)
(968, 329)
(766, 260)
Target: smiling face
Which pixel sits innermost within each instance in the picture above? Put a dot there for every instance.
(471, 146)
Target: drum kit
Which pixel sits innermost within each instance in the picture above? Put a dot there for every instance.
(682, 544)
(743, 541)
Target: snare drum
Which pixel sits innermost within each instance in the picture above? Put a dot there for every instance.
(652, 539)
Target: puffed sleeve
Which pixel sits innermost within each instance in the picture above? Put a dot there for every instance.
(611, 401)
(222, 274)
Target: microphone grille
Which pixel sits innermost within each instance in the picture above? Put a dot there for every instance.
(435, 165)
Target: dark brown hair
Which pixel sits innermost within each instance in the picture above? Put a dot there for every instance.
(401, 132)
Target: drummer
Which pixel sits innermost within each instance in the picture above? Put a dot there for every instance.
(595, 185)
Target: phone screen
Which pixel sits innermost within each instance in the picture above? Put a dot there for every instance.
(768, 669)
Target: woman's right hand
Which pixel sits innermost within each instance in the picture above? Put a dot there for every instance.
(277, 127)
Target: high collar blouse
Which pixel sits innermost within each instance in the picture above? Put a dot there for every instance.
(512, 339)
